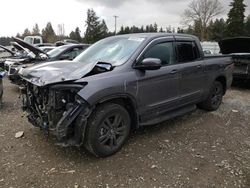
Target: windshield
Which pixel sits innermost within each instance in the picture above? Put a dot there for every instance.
(55, 52)
(113, 50)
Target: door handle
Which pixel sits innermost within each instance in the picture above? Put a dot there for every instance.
(174, 71)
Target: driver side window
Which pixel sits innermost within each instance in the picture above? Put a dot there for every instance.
(73, 53)
(163, 51)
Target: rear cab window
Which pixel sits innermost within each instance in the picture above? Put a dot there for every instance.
(187, 51)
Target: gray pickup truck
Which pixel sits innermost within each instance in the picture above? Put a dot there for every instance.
(122, 83)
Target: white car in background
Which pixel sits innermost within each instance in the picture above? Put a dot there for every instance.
(210, 48)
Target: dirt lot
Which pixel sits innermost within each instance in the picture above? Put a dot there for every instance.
(198, 150)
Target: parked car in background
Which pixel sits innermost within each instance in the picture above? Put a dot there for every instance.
(46, 49)
(120, 83)
(210, 48)
(66, 41)
(4, 54)
(2, 74)
(16, 53)
(65, 52)
(33, 40)
(239, 48)
(29, 53)
(44, 45)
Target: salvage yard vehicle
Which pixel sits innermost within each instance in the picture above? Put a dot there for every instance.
(4, 54)
(29, 53)
(33, 40)
(66, 52)
(122, 83)
(46, 49)
(239, 48)
(2, 74)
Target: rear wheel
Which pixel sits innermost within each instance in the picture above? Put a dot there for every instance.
(214, 99)
(107, 130)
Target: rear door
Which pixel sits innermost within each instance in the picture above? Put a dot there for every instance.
(158, 90)
(192, 79)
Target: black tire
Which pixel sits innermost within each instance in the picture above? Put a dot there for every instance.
(214, 99)
(107, 130)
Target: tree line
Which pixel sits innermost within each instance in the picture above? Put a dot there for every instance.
(199, 16)
(199, 19)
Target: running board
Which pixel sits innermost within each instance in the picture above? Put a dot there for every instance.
(170, 115)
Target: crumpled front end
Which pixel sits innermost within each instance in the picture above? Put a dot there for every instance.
(57, 110)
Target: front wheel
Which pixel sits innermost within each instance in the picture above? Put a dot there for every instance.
(214, 99)
(107, 130)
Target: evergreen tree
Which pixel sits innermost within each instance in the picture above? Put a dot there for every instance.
(121, 31)
(247, 26)
(217, 30)
(142, 29)
(26, 33)
(169, 29)
(96, 30)
(18, 35)
(48, 33)
(5, 41)
(36, 30)
(202, 35)
(151, 28)
(76, 35)
(103, 29)
(189, 30)
(155, 27)
(236, 18)
(179, 30)
(126, 30)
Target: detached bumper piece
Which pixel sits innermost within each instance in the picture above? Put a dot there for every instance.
(69, 133)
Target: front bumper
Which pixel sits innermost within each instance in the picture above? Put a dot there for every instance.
(58, 113)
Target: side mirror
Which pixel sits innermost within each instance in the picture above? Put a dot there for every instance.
(149, 64)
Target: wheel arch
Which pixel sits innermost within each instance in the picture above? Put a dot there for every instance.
(222, 79)
(126, 101)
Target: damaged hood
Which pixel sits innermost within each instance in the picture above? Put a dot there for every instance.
(30, 47)
(18, 47)
(55, 72)
(6, 49)
(235, 45)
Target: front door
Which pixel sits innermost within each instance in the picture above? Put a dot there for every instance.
(158, 90)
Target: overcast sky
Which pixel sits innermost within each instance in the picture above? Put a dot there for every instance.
(16, 15)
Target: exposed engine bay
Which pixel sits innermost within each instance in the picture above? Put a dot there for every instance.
(57, 110)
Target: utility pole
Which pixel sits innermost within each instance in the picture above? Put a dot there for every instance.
(115, 22)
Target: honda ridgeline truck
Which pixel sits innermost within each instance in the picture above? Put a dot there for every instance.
(122, 83)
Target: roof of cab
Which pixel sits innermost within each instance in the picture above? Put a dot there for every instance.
(158, 35)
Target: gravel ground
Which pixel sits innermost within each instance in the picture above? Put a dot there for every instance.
(198, 150)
